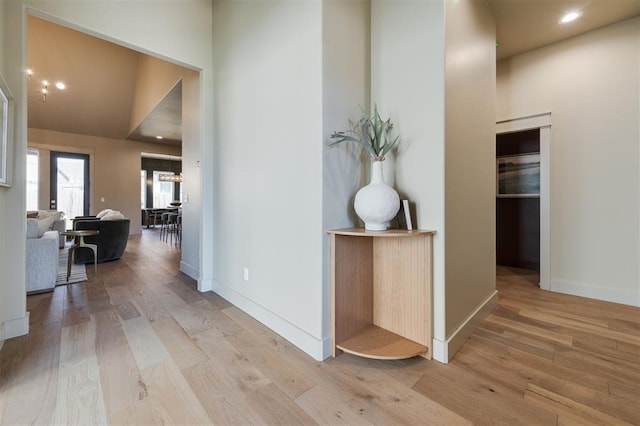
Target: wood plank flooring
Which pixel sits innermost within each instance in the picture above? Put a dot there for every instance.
(138, 344)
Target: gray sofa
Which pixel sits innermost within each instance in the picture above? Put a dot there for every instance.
(42, 259)
(59, 225)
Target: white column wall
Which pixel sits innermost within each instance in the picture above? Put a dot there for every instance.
(407, 83)
(268, 125)
(346, 74)
(14, 320)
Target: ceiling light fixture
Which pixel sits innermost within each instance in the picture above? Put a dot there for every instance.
(159, 137)
(569, 17)
(42, 88)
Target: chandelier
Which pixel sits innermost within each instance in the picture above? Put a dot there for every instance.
(39, 90)
(165, 177)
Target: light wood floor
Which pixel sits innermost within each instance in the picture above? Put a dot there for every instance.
(137, 344)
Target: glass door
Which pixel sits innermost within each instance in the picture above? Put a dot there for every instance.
(70, 184)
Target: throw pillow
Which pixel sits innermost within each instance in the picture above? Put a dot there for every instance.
(32, 214)
(103, 213)
(46, 224)
(44, 214)
(113, 215)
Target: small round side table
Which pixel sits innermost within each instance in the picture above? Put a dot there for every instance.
(79, 242)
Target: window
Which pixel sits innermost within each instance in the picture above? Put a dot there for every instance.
(162, 191)
(32, 178)
(143, 189)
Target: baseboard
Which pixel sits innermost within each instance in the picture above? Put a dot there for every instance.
(15, 327)
(205, 285)
(595, 292)
(444, 351)
(318, 349)
(189, 270)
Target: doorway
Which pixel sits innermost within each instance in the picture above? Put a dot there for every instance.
(518, 200)
(541, 123)
(69, 190)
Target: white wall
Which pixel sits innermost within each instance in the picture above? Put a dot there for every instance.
(268, 129)
(14, 321)
(178, 31)
(470, 155)
(2, 238)
(590, 84)
(192, 218)
(407, 83)
(346, 74)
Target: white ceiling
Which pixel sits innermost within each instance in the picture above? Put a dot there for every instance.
(100, 76)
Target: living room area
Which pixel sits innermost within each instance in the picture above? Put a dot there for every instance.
(104, 135)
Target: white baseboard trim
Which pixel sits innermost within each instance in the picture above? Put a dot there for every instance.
(595, 292)
(318, 349)
(191, 271)
(444, 351)
(205, 285)
(15, 327)
(439, 351)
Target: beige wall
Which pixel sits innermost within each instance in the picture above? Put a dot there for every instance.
(470, 88)
(115, 169)
(155, 79)
(591, 86)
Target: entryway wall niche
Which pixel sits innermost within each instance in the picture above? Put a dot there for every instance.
(543, 123)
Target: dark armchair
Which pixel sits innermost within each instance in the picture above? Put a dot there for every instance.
(111, 240)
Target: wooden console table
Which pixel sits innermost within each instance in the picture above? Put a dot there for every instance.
(381, 293)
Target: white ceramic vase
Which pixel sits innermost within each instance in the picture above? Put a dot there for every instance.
(377, 203)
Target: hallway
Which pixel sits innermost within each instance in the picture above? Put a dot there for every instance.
(137, 344)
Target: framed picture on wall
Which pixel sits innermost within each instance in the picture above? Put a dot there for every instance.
(518, 175)
(6, 133)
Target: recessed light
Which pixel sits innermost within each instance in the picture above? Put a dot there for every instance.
(158, 137)
(60, 85)
(569, 17)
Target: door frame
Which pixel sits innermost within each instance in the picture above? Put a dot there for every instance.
(543, 122)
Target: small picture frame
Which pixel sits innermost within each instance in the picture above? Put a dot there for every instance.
(405, 217)
(518, 175)
(6, 133)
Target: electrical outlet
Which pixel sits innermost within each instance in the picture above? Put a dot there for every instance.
(245, 273)
(102, 199)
